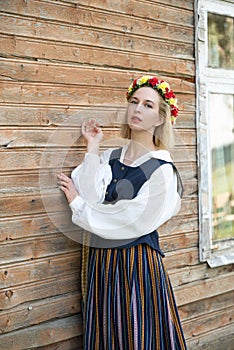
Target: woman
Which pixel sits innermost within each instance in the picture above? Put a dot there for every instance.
(134, 190)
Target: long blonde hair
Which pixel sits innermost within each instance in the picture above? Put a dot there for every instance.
(163, 136)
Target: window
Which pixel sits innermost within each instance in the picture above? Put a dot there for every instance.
(215, 129)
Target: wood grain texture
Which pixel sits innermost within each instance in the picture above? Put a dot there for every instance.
(78, 34)
(40, 311)
(43, 334)
(14, 296)
(39, 269)
(60, 63)
(45, 50)
(102, 18)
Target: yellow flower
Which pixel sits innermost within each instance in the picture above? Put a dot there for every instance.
(172, 101)
(163, 86)
(143, 80)
(173, 120)
(130, 88)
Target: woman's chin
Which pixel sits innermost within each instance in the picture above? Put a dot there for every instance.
(135, 126)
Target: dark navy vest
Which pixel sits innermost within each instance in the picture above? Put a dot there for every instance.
(125, 184)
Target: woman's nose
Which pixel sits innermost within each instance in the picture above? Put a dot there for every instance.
(138, 107)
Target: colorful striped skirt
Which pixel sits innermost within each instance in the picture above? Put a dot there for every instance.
(130, 303)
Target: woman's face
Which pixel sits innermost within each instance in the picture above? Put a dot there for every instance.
(143, 110)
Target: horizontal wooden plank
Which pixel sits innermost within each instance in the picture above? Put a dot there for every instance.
(23, 70)
(179, 154)
(178, 241)
(37, 312)
(32, 291)
(208, 322)
(42, 29)
(204, 289)
(41, 247)
(144, 9)
(181, 258)
(180, 224)
(30, 204)
(44, 334)
(71, 344)
(25, 181)
(36, 248)
(63, 95)
(199, 272)
(185, 4)
(34, 225)
(12, 160)
(72, 95)
(37, 225)
(34, 116)
(39, 270)
(21, 183)
(40, 159)
(188, 170)
(213, 340)
(205, 306)
(16, 46)
(39, 202)
(64, 137)
(102, 19)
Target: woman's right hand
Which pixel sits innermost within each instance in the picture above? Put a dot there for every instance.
(92, 133)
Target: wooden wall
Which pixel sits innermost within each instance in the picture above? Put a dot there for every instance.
(60, 62)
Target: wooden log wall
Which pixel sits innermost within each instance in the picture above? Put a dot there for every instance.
(60, 62)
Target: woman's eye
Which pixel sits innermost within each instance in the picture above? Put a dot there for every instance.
(134, 102)
(149, 106)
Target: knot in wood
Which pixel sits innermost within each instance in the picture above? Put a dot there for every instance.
(9, 294)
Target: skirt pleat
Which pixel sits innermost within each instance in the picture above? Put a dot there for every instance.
(130, 303)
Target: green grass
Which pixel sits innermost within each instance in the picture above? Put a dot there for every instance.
(223, 179)
(223, 185)
(224, 230)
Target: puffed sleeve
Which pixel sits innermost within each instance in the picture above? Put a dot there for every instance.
(92, 177)
(156, 202)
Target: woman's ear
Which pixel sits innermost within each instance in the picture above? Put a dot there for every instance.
(159, 122)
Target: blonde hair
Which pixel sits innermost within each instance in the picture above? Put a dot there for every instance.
(163, 136)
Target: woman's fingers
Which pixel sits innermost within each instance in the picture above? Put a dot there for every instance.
(67, 186)
(88, 127)
(83, 127)
(64, 181)
(92, 133)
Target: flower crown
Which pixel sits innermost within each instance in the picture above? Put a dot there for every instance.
(163, 89)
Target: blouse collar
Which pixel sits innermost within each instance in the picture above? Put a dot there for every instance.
(159, 154)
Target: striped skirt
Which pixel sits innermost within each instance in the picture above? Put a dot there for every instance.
(130, 303)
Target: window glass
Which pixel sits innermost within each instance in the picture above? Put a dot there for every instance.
(220, 41)
(222, 148)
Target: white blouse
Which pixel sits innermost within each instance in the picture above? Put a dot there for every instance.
(156, 202)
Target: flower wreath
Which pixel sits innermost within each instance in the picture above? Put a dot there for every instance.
(163, 89)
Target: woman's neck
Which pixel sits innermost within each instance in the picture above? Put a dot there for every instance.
(137, 147)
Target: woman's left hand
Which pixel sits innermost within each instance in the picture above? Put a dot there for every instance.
(67, 186)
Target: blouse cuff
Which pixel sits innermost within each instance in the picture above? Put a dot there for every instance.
(92, 158)
(76, 204)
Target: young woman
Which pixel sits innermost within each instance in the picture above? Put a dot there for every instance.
(122, 197)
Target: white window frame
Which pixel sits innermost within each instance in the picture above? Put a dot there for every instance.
(209, 80)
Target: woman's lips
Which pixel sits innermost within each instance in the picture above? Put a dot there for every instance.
(135, 119)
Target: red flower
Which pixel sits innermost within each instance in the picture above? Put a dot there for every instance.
(134, 83)
(153, 81)
(174, 111)
(169, 94)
